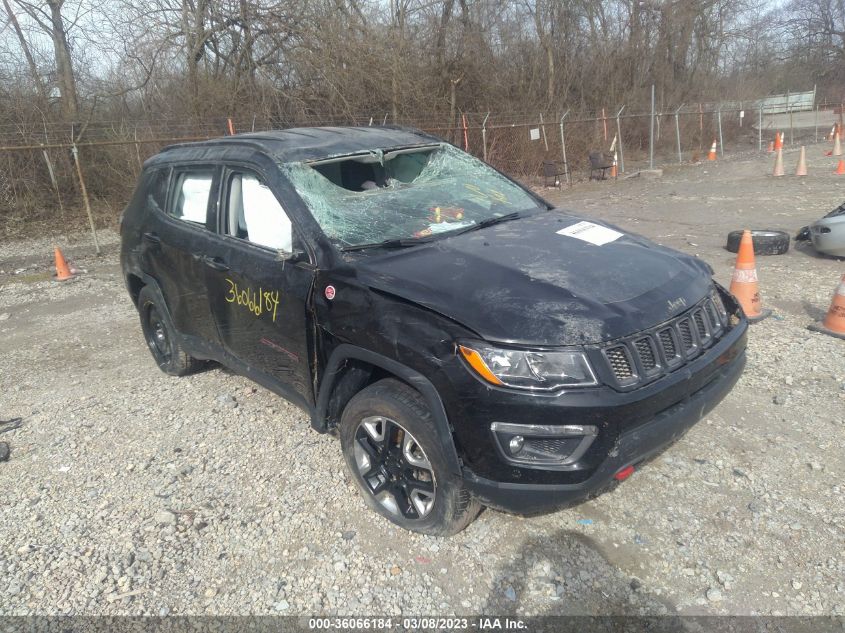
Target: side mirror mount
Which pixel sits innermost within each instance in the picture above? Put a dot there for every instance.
(292, 257)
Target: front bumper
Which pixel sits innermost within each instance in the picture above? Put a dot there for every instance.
(631, 447)
(828, 236)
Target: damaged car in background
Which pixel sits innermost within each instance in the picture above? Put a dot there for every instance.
(469, 344)
(827, 234)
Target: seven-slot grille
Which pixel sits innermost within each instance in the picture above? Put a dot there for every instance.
(657, 352)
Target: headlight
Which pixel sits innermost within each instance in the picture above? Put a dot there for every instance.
(537, 371)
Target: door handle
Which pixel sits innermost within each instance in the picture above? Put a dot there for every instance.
(215, 263)
(152, 238)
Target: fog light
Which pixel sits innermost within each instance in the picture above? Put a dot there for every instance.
(543, 446)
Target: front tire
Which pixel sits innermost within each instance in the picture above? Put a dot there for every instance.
(398, 462)
(161, 337)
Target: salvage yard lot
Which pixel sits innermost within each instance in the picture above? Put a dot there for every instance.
(132, 492)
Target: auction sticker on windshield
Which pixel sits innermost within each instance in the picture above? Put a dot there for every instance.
(592, 233)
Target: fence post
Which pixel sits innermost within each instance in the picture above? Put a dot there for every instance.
(563, 150)
(719, 119)
(700, 128)
(53, 180)
(760, 129)
(75, 151)
(789, 111)
(137, 148)
(651, 133)
(791, 133)
(619, 136)
(817, 123)
(484, 135)
(678, 133)
(604, 124)
(543, 127)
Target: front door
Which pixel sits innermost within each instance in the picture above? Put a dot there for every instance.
(174, 239)
(258, 295)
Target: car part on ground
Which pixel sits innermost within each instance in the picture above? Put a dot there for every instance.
(766, 241)
(803, 234)
(828, 233)
(10, 425)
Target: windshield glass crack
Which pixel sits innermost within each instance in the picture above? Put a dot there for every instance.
(404, 194)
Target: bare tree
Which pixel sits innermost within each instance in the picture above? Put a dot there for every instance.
(48, 17)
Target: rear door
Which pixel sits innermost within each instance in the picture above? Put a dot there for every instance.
(259, 295)
(175, 239)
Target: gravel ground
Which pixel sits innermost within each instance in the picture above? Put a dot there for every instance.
(132, 492)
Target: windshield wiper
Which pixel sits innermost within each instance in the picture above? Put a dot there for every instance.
(394, 243)
(406, 242)
(490, 222)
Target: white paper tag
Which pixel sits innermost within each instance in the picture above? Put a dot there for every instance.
(534, 134)
(592, 233)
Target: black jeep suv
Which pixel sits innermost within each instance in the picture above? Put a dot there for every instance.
(469, 344)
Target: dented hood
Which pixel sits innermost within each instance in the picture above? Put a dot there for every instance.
(523, 282)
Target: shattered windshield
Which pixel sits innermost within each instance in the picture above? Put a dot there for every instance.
(403, 194)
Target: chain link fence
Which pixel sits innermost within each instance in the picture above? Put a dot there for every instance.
(41, 180)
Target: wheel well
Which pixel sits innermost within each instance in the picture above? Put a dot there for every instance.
(353, 376)
(134, 284)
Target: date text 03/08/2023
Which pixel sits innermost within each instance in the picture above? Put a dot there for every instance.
(479, 623)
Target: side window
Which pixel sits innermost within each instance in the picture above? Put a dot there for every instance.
(157, 188)
(255, 215)
(189, 200)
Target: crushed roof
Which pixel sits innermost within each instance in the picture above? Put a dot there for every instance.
(310, 143)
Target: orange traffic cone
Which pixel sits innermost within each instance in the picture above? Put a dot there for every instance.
(778, 171)
(778, 141)
(837, 146)
(712, 154)
(840, 168)
(62, 270)
(744, 281)
(834, 322)
(801, 170)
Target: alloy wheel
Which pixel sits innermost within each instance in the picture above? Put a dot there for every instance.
(394, 467)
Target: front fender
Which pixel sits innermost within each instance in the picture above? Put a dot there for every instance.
(419, 382)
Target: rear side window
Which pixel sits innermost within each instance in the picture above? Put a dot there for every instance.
(191, 190)
(157, 188)
(254, 214)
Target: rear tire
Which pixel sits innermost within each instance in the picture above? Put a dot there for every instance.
(766, 241)
(161, 337)
(398, 461)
